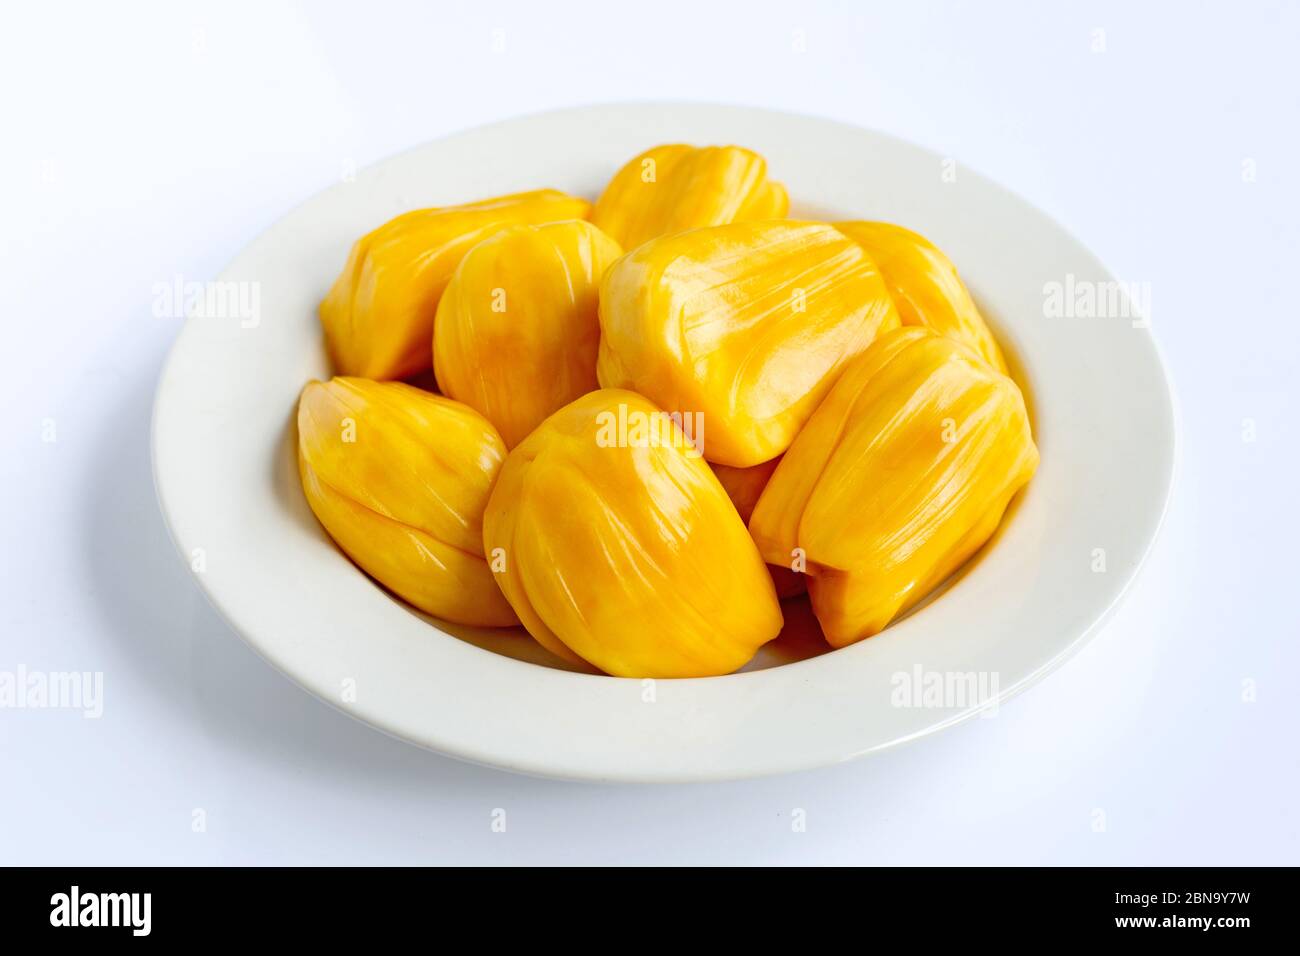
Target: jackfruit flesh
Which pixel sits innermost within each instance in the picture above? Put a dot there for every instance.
(399, 478)
(676, 187)
(902, 474)
(616, 545)
(744, 486)
(926, 288)
(517, 332)
(746, 324)
(378, 315)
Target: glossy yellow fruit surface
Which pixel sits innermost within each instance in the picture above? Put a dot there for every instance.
(899, 477)
(517, 329)
(616, 545)
(748, 324)
(675, 187)
(926, 288)
(744, 486)
(378, 316)
(399, 478)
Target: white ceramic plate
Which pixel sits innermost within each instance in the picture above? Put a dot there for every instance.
(224, 467)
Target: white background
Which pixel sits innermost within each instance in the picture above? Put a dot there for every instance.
(142, 142)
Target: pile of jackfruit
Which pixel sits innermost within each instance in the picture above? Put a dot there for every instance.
(658, 416)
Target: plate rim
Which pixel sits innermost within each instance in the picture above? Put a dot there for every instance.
(457, 748)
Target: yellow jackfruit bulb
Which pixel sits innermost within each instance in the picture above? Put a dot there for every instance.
(618, 546)
(743, 486)
(926, 288)
(399, 478)
(899, 477)
(673, 188)
(517, 330)
(378, 316)
(747, 324)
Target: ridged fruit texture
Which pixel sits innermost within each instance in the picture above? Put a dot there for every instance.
(399, 478)
(744, 486)
(517, 329)
(676, 187)
(621, 549)
(748, 324)
(925, 285)
(378, 315)
(901, 475)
